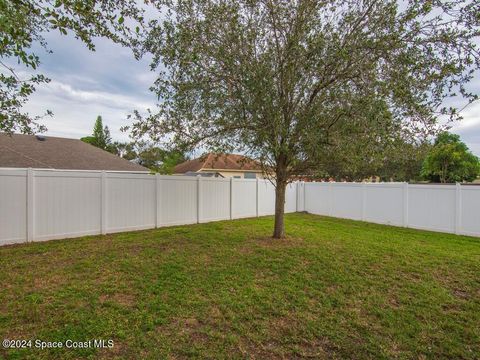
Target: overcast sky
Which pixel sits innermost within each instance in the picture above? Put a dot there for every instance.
(84, 84)
(111, 83)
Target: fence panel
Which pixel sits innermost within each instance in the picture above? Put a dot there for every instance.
(131, 202)
(383, 203)
(215, 199)
(66, 204)
(317, 198)
(346, 201)
(178, 200)
(300, 196)
(13, 206)
(291, 198)
(266, 198)
(244, 198)
(432, 207)
(470, 210)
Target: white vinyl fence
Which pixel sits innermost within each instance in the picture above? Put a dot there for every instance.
(38, 205)
(445, 208)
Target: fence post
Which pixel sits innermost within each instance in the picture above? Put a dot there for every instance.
(304, 189)
(405, 204)
(231, 198)
(458, 208)
(256, 198)
(30, 205)
(330, 198)
(364, 199)
(296, 196)
(199, 197)
(158, 204)
(103, 213)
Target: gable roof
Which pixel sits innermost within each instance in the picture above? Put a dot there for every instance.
(212, 161)
(24, 151)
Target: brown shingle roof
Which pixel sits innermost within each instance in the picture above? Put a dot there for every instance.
(218, 162)
(23, 151)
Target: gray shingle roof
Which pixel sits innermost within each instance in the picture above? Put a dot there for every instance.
(24, 151)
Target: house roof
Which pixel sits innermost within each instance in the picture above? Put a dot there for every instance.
(24, 151)
(212, 161)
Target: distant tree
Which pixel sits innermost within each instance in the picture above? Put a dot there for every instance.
(404, 162)
(125, 150)
(150, 157)
(287, 82)
(450, 161)
(159, 160)
(23, 25)
(89, 140)
(101, 136)
(393, 160)
(171, 159)
(156, 159)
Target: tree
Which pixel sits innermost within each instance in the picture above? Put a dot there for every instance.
(404, 162)
(100, 137)
(171, 159)
(159, 160)
(450, 161)
(125, 150)
(288, 82)
(156, 159)
(394, 160)
(24, 23)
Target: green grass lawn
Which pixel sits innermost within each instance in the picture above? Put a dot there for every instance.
(333, 289)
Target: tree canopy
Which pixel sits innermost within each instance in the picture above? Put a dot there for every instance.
(400, 160)
(24, 23)
(159, 160)
(101, 136)
(290, 82)
(450, 161)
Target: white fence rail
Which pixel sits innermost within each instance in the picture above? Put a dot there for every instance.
(445, 208)
(40, 205)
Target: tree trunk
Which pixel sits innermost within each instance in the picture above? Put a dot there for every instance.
(279, 229)
(281, 186)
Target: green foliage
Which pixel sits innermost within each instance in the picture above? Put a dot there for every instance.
(101, 136)
(170, 160)
(394, 160)
(100, 133)
(337, 289)
(89, 140)
(450, 161)
(154, 158)
(123, 149)
(23, 25)
(159, 160)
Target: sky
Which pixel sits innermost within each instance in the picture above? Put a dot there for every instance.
(111, 83)
(84, 84)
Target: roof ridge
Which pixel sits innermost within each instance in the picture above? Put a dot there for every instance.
(206, 161)
(46, 136)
